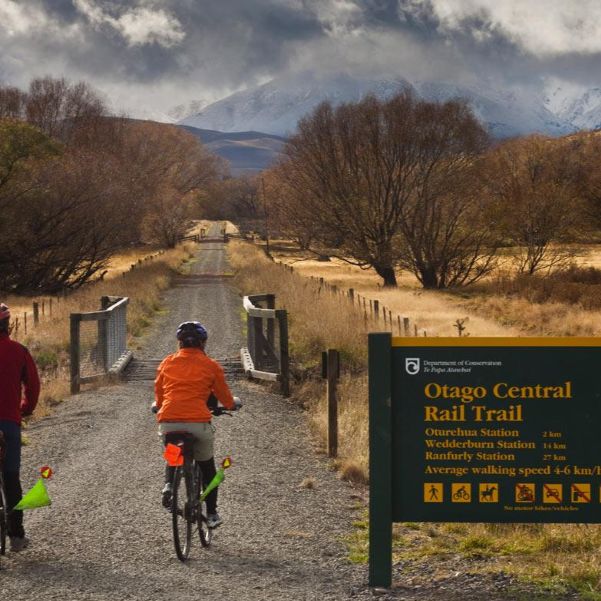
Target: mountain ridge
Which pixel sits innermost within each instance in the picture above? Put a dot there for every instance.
(276, 106)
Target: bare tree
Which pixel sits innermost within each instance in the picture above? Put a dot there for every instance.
(357, 174)
(12, 103)
(78, 185)
(60, 108)
(232, 198)
(536, 202)
(180, 170)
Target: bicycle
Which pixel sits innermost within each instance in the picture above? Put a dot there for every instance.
(3, 503)
(188, 509)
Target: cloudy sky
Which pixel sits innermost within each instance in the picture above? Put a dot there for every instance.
(148, 56)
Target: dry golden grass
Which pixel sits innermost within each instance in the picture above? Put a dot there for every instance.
(49, 341)
(352, 462)
(317, 321)
(433, 311)
(532, 319)
(559, 556)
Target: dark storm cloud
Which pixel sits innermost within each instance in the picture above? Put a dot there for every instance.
(234, 40)
(185, 49)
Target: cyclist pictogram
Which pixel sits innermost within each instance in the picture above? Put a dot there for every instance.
(580, 493)
(489, 493)
(524, 493)
(461, 493)
(552, 493)
(433, 492)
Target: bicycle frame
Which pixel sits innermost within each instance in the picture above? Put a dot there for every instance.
(190, 511)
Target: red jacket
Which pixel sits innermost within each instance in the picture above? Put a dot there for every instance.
(18, 374)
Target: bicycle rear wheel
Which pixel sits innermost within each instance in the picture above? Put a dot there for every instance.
(182, 526)
(204, 532)
(3, 518)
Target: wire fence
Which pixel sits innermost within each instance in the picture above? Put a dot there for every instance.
(99, 342)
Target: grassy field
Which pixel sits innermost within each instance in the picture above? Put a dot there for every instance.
(559, 557)
(49, 341)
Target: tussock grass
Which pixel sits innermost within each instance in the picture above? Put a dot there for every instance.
(561, 557)
(433, 311)
(49, 341)
(317, 321)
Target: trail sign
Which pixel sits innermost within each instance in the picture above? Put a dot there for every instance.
(481, 430)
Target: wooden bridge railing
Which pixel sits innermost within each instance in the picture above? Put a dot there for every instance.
(266, 355)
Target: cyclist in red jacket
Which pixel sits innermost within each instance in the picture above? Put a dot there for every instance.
(19, 391)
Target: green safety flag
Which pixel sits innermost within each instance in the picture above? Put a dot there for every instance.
(218, 479)
(36, 497)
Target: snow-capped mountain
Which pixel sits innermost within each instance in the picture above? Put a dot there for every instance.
(579, 107)
(276, 107)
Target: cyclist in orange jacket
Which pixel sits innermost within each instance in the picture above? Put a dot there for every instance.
(185, 382)
(19, 392)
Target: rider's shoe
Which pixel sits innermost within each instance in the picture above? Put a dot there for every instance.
(18, 543)
(214, 520)
(167, 493)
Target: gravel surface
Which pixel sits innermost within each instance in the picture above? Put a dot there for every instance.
(106, 536)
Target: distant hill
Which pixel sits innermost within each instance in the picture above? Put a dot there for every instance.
(246, 151)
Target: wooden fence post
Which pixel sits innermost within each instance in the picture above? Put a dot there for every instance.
(333, 367)
(74, 352)
(270, 298)
(282, 317)
(406, 325)
(351, 295)
(103, 341)
(36, 313)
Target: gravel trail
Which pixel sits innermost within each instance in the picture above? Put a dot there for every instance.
(106, 536)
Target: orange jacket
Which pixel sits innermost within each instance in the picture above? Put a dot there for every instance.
(184, 382)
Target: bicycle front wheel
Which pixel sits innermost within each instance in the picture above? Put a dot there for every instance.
(182, 526)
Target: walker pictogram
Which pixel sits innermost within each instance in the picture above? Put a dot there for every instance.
(461, 493)
(580, 493)
(552, 493)
(489, 493)
(524, 493)
(433, 492)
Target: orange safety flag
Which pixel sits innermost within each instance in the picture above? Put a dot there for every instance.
(173, 455)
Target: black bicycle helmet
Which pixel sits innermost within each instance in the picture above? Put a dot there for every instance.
(191, 330)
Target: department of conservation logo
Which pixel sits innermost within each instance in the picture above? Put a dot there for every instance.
(411, 366)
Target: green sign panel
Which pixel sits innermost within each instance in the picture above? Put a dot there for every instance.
(484, 430)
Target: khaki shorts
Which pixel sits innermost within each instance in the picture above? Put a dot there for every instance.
(204, 433)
